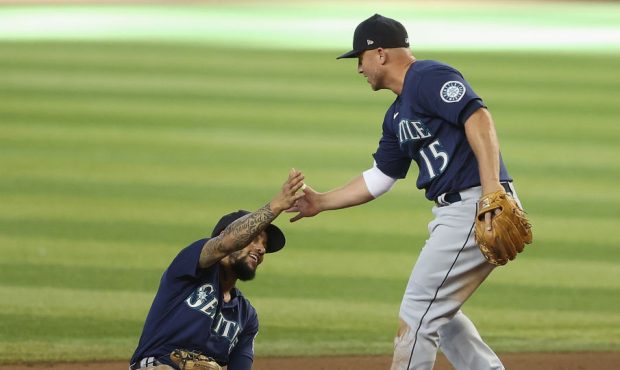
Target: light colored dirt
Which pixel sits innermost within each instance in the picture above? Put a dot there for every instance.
(512, 361)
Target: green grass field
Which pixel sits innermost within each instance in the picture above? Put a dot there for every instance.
(113, 156)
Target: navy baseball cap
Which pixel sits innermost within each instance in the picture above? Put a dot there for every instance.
(377, 32)
(275, 237)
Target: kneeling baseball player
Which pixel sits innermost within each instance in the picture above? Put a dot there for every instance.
(198, 319)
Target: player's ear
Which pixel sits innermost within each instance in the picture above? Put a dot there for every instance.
(382, 55)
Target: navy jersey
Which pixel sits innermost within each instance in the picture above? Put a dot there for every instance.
(426, 124)
(189, 312)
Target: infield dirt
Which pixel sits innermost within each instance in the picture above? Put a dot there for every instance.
(512, 361)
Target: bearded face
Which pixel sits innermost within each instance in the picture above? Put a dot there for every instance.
(245, 262)
(244, 267)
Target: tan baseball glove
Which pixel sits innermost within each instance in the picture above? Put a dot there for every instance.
(188, 360)
(510, 228)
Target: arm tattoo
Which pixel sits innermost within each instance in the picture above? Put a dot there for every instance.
(246, 228)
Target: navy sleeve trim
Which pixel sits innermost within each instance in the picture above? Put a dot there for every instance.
(240, 363)
(469, 109)
(186, 262)
(393, 169)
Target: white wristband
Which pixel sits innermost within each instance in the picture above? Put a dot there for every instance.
(377, 182)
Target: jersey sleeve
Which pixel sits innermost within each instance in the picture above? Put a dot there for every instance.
(444, 93)
(185, 264)
(388, 157)
(242, 356)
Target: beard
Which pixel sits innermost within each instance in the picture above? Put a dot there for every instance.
(243, 270)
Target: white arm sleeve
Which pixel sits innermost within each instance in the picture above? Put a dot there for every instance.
(377, 182)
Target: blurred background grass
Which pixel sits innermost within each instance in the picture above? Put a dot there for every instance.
(114, 155)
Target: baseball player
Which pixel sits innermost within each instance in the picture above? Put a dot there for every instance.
(198, 319)
(438, 121)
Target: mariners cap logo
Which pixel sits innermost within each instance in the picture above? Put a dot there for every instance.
(452, 91)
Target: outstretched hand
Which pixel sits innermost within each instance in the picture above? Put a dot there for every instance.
(307, 205)
(288, 195)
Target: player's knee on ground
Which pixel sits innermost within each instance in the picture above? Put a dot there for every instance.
(402, 346)
(402, 329)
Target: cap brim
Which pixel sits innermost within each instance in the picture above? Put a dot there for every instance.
(350, 54)
(275, 238)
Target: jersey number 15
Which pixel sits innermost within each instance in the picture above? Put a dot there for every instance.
(437, 162)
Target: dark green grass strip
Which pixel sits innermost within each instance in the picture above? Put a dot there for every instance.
(16, 327)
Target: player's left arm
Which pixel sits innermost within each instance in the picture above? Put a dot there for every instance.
(242, 355)
(482, 138)
(505, 230)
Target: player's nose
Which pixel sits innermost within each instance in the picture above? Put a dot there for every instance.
(260, 249)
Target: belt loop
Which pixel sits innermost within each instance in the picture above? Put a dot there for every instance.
(441, 200)
(144, 363)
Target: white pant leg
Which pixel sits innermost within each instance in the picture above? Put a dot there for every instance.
(449, 269)
(462, 345)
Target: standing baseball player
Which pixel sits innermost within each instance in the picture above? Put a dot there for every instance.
(198, 319)
(438, 121)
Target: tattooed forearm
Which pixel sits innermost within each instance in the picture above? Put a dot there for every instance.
(243, 230)
(236, 236)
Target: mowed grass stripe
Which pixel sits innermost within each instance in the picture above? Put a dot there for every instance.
(103, 162)
(139, 231)
(92, 278)
(535, 66)
(185, 143)
(197, 204)
(65, 301)
(58, 253)
(573, 330)
(42, 82)
(511, 336)
(325, 286)
(73, 198)
(170, 204)
(22, 326)
(126, 180)
(551, 236)
(331, 326)
(547, 256)
(26, 135)
(251, 112)
(50, 104)
(172, 87)
(147, 58)
(159, 90)
(202, 144)
(145, 113)
(486, 69)
(75, 252)
(67, 349)
(152, 180)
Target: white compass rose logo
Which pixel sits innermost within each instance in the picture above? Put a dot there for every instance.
(452, 91)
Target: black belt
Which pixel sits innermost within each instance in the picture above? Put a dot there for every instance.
(455, 196)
